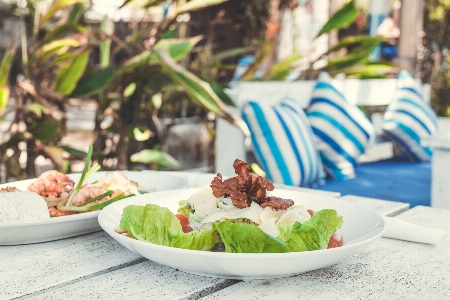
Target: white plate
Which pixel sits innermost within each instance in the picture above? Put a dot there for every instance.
(68, 226)
(361, 228)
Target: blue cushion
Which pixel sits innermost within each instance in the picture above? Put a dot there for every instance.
(341, 129)
(283, 143)
(409, 118)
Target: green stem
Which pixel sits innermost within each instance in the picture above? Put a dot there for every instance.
(85, 174)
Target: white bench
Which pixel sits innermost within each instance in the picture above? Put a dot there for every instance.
(230, 141)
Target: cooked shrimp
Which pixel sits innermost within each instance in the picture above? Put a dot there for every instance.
(52, 184)
(54, 212)
(88, 192)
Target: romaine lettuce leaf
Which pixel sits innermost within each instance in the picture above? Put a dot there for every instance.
(313, 234)
(158, 225)
(247, 238)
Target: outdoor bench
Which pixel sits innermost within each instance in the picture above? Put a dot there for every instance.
(379, 173)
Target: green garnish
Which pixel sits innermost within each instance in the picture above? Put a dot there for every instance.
(84, 207)
(84, 175)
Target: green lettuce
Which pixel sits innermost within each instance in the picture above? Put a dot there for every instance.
(313, 234)
(247, 238)
(158, 225)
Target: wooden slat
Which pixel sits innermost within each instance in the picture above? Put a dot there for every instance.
(147, 280)
(29, 268)
(388, 269)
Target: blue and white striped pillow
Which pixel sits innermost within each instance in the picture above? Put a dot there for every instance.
(341, 129)
(283, 143)
(409, 118)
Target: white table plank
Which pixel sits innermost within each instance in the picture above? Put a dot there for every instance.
(388, 269)
(383, 207)
(147, 280)
(29, 268)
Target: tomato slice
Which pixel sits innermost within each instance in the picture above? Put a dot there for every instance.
(187, 229)
(311, 212)
(336, 241)
(184, 221)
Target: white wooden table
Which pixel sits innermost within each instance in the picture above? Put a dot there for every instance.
(94, 266)
(440, 169)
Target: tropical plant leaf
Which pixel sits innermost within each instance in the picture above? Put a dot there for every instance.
(140, 60)
(279, 76)
(129, 90)
(356, 41)
(198, 90)
(5, 65)
(5, 68)
(283, 68)
(68, 77)
(62, 31)
(370, 71)
(342, 63)
(342, 18)
(76, 13)
(45, 130)
(4, 97)
(252, 69)
(73, 151)
(57, 5)
(143, 3)
(169, 34)
(158, 81)
(357, 44)
(142, 134)
(37, 109)
(197, 4)
(58, 48)
(155, 156)
(286, 63)
(216, 60)
(94, 82)
(221, 93)
(105, 46)
(178, 48)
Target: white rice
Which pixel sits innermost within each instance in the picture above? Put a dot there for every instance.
(22, 206)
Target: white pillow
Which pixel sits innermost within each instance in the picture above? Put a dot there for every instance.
(341, 129)
(409, 118)
(283, 143)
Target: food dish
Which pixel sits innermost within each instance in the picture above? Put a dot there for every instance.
(68, 226)
(361, 228)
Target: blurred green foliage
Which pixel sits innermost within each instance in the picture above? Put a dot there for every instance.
(133, 73)
(436, 58)
(350, 56)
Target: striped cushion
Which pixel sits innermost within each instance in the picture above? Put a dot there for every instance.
(409, 118)
(283, 143)
(341, 129)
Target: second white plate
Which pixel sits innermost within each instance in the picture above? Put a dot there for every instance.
(68, 226)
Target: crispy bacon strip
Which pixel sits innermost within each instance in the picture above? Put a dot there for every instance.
(277, 203)
(247, 187)
(230, 188)
(255, 186)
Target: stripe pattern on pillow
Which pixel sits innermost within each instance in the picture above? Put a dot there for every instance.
(341, 129)
(408, 119)
(283, 143)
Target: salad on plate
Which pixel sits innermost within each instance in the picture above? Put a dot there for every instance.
(237, 215)
(55, 194)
